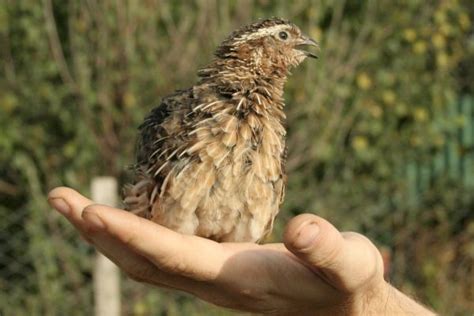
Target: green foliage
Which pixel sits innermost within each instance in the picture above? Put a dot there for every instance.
(381, 134)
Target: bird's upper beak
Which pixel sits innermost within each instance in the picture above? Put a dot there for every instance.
(305, 41)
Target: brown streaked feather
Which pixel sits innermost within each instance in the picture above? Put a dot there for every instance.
(210, 159)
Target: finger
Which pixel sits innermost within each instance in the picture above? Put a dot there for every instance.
(346, 260)
(133, 265)
(189, 256)
(137, 267)
(72, 205)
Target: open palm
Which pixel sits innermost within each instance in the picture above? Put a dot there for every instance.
(317, 270)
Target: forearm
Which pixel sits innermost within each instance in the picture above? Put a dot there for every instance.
(385, 300)
(402, 303)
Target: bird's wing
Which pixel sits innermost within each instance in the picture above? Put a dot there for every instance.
(163, 130)
(161, 137)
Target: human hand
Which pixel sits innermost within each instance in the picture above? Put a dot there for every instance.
(317, 271)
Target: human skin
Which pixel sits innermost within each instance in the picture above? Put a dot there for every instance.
(316, 271)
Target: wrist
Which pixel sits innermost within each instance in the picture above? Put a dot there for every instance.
(380, 299)
(384, 299)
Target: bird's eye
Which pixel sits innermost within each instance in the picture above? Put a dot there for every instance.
(283, 35)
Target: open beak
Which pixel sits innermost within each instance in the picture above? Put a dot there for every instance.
(304, 42)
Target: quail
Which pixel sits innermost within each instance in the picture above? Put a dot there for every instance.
(211, 159)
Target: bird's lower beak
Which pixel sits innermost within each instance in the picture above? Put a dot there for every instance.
(306, 41)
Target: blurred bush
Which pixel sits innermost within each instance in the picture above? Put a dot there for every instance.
(381, 132)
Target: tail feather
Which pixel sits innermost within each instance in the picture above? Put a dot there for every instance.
(137, 197)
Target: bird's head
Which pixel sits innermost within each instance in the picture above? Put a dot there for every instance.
(270, 46)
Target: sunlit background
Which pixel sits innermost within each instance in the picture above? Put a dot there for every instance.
(381, 133)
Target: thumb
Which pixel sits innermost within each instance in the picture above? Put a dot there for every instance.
(346, 261)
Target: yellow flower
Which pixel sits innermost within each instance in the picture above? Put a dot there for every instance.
(446, 29)
(440, 16)
(389, 79)
(439, 41)
(360, 143)
(439, 140)
(420, 114)
(315, 33)
(3, 19)
(442, 60)
(376, 111)
(401, 109)
(419, 47)
(426, 31)
(460, 121)
(129, 99)
(139, 309)
(409, 34)
(81, 26)
(388, 97)
(415, 140)
(8, 102)
(363, 81)
(464, 21)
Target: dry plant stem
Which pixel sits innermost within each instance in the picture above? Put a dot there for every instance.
(56, 46)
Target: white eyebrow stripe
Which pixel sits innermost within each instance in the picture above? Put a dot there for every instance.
(263, 32)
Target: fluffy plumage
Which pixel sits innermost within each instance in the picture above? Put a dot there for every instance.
(211, 158)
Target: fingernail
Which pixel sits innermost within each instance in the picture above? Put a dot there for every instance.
(307, 235)
(60, 205)
(93, 220)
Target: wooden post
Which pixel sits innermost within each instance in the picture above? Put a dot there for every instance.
(106, 273)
